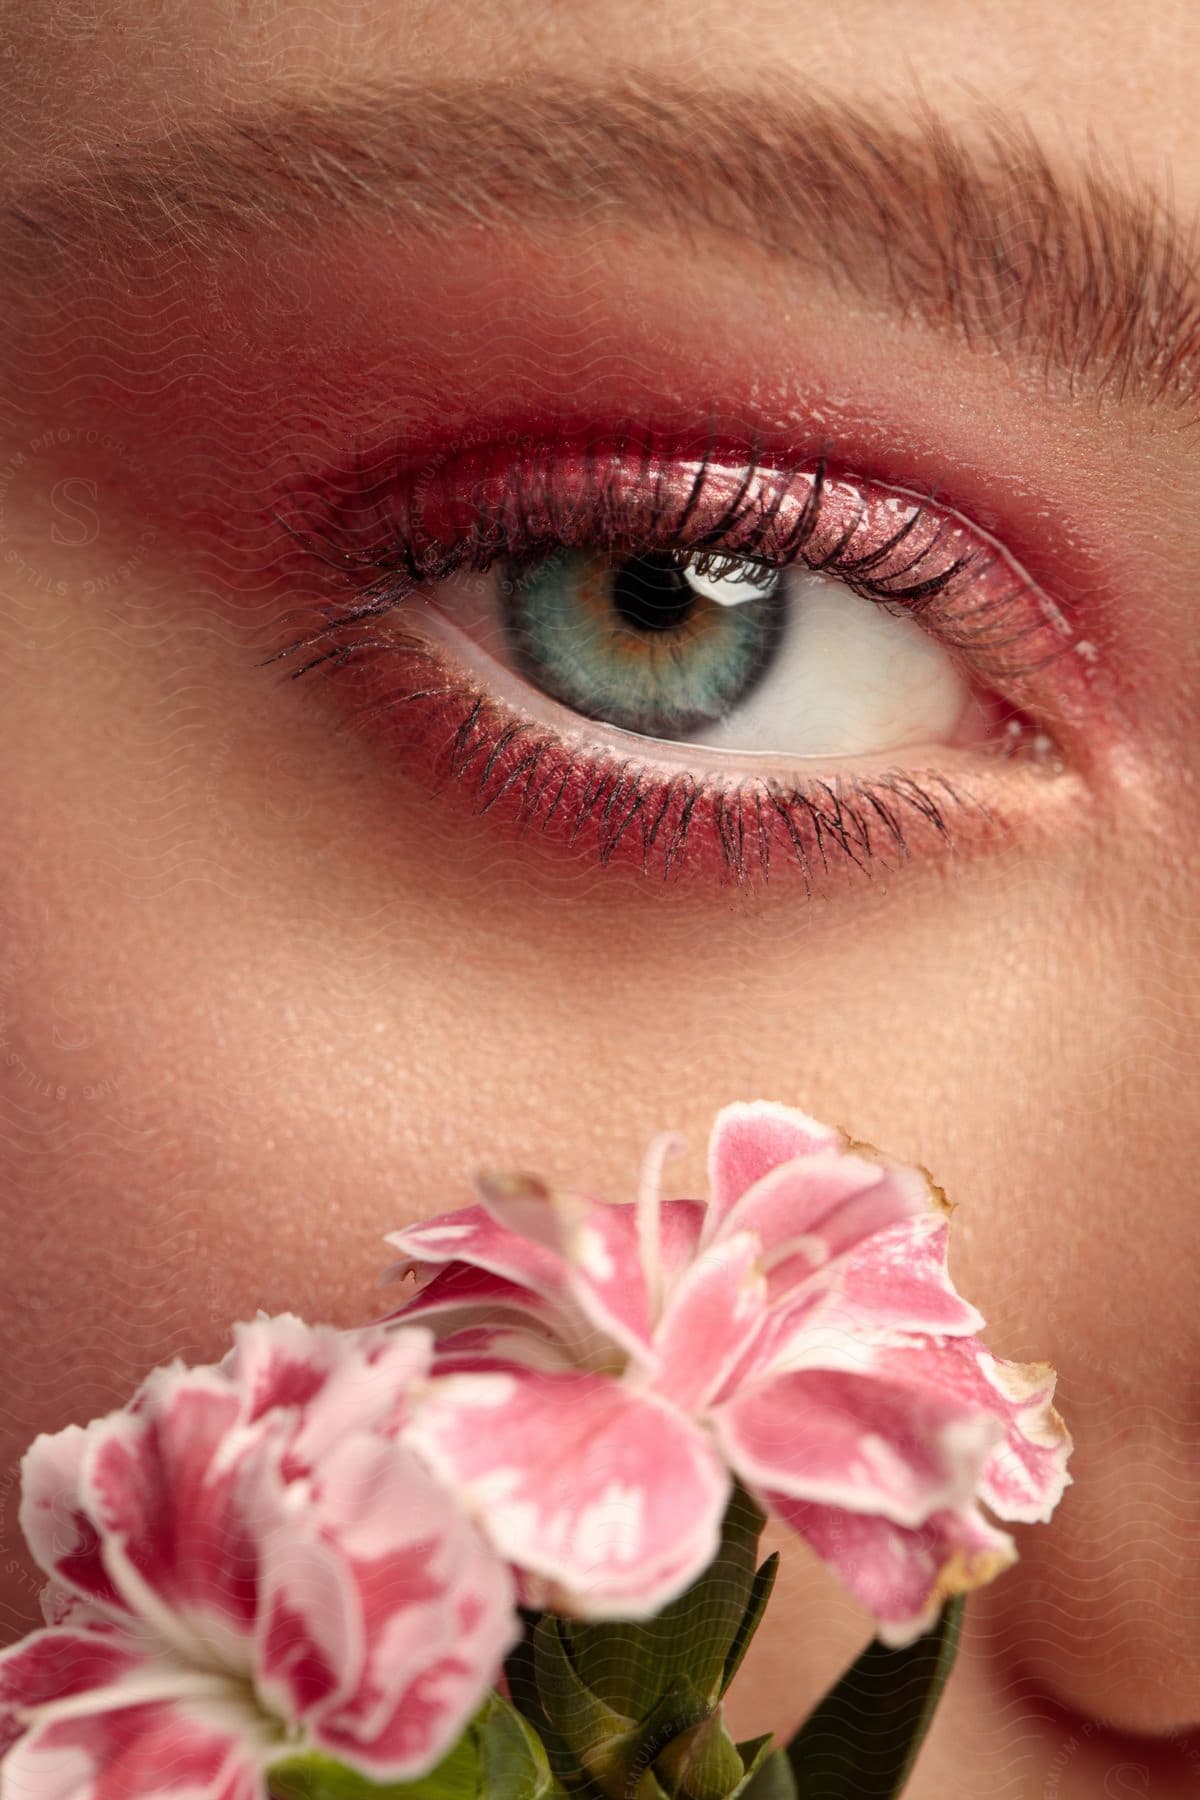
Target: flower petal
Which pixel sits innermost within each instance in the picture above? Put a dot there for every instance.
(61, 1536)
(309, 1637)
(607, 1276)
(159, 1750)
(504, 1345)
(808, 1211)
(1025, 1476)
(600, 1247)
(56, 1663)
(607, 1495)
(857, 1441)
(898, 1278)
(460, 1293)
(680, 1224)
(274, 1362)
(714, 1312)
(473, 1235)
(747, 1141)
(366, 1389)
(165, 1501)
(902, 1575)
(438, 1609)
(893, 1281)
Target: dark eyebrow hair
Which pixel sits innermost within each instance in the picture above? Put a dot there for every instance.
(1082, 274)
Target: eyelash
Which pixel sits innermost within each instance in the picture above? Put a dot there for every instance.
(391, 533)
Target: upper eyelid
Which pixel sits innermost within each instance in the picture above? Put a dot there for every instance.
(364, 516)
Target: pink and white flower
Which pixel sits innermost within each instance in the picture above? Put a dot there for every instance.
(603, 1371)
(247, 1563)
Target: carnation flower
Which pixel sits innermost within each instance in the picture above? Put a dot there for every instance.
(604, 1371)
(246, 1564)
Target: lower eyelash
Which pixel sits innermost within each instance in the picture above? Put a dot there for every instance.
(819, 819)
(750, 823)
(655, 820)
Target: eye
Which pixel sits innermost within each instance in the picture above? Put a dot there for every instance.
(724, 664)
(716, 651)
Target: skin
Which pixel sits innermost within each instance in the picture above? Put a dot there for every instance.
(265, 997)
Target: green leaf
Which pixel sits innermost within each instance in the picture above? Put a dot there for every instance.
(702, 1762)
(588, 1735)
(521, 1676)
(678, 1711)
(629, 1665)
(768, 1773)
(756, 1606)
(314, 1777)
(514, 1761)
(498, 1757)
(862, 1740)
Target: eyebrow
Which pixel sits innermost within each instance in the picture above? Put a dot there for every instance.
(977, 230)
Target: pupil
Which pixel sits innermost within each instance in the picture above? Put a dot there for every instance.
(651, 592)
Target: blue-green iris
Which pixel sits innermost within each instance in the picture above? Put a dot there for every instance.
(632, 643)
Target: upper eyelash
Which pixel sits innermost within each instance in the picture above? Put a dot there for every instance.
(361, 524)
(393, 552)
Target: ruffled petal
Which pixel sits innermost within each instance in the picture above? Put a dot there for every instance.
(609, 1497)
(274, 1362)
(437, 1605)
(162, 1489)
(56, 1664)
(1026, 1475)
(820, 1206)
(163, 1751)
(898, 1279)
(894, 1281)
(902, 1575)
(747, 1141)
(598, 1248)
(276, 1556)
(383, 1615)
(309, 1637)
(366, 1389)
(715, 1311)
(857, 1441)
(54, 1519)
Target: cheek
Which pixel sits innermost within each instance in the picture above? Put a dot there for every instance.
(1103, 1609)
(261, 1009)
(1101, 1612)
(1081, 1255)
